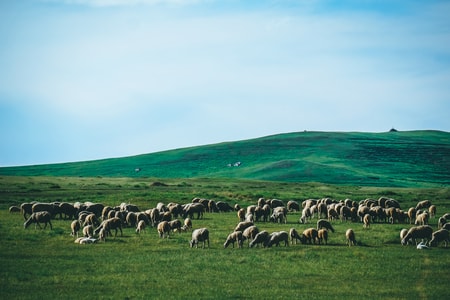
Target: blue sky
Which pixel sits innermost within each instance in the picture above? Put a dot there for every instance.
(91, 79)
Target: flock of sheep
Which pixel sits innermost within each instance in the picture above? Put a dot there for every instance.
(96, 221)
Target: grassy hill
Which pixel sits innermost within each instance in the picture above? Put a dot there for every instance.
(411, 158)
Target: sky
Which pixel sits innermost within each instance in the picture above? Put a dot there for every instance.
(92, 79)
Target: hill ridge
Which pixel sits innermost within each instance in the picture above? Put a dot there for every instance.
(401, 158)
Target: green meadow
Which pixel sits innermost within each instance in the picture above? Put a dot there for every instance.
(48, 264)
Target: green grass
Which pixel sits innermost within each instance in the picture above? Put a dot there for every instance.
(47, 264)
(403, 159)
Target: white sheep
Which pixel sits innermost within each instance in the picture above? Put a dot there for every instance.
(350, 236)
(75, 226)
(199, 235)
(322, 235)
(140, 227)
(418, 232)
(366, 220)
(235, 236)
(293, 234)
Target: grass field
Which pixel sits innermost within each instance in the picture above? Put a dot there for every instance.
(403, 159)
(47, 264)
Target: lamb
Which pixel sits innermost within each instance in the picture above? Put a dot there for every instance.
(140, 227)
(199, 235)
(293, 234)
(235, 236)
(261, 238)
(432, 210)
(75, 226)
(164, 229)
(439, 236)
(322, 223)
(322, 235)
(39, 217)
(309, 235)
(418, 232)
(350, 235)
(278, 237)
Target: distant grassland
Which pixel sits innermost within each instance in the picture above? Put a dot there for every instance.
(44, 264)
(403, 159)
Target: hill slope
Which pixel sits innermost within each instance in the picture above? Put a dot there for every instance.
(413, 158)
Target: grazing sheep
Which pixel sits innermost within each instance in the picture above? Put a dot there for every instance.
(224, 206)
(439, 236)
(249, 218)
(412, 214)
(39, 217)
(422, 218)
(175, 225)
(418, 232)
(140, 227)
(26, 209)
(164, 229)
(187, 224)
(293, 234)
(279, 215)
(241, 226)
(403, 233)
(277, 237)
(322, 235)
(261, 238)
(306, 214)
(366, 220)
(423, 204)
(102, 234)
(293, 206)
(199, 235)
(309, 235)
(250, 233)
(75, 226)
(441, 222)
(350, 236)
(14, 209)
(235, 236)
(322, 223)
(88, 231)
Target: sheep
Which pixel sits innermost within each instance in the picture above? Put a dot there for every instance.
(75, 226)
(322, 235)
(403, 233)
(14, 209)
(249, 218)
(199, 235)
(366, 220)
(432, 210)
(277, 237)
(422, 218)
(175, 225)
(39, 217)
(423, 204)
(140, 226)
(418, 232)
(235, 236)
(102, 234)
(350, 236)
(261, 238)
(306, 214)
(439, 236)
(187, 224)
(322, 223)
(241, 226)
(241, 215)
(293, 206)
(412, 214)
(85, 240)
(293, 234)
(441, 222)
(26, 209)
(164, 229)
(309, 235)
(279, 215)
(88, 231)
(250, 232)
